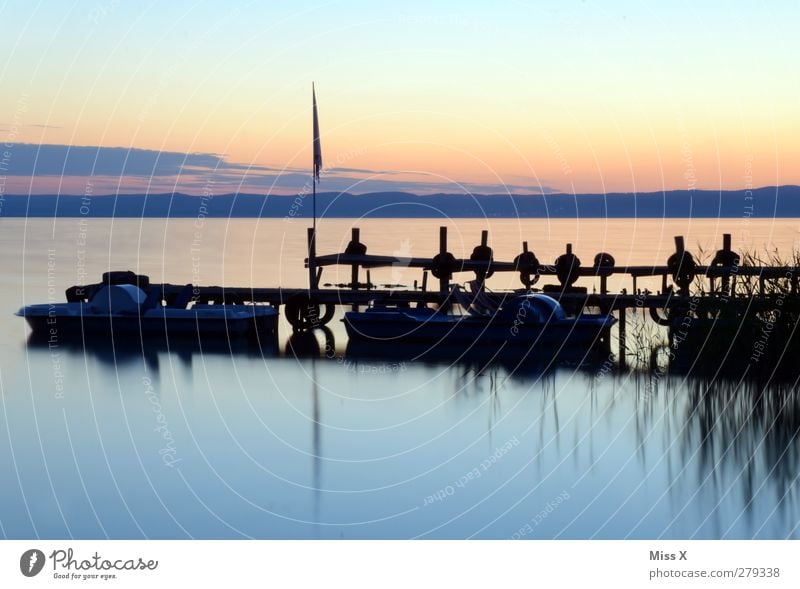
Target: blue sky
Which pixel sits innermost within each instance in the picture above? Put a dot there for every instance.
(570, 96)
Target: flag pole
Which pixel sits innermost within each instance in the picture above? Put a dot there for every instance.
(316, 168)
(312, 239)
(314, 204)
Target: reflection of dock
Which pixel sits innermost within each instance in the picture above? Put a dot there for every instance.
(725, 289)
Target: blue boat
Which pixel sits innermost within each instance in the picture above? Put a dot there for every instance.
(127, 309)
(525, 320)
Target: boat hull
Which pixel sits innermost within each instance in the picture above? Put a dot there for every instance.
(437, 329)
(60, 321)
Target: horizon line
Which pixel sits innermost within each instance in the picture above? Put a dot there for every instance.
(406, 192)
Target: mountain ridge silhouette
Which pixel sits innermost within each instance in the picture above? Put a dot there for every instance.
(764, 202)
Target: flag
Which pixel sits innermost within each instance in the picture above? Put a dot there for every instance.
(317, 146)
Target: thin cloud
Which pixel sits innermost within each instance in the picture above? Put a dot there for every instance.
(128, 170)
(83, 160)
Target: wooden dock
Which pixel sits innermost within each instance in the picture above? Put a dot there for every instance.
(686, 287)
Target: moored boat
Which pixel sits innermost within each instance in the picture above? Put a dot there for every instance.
(128, 309)
(523, 320)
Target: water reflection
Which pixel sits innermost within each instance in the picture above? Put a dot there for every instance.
(316, 445)
(321, 439)
(746, 432)
(127, 350)
(725, 439)
(518, 362)
(306, 344)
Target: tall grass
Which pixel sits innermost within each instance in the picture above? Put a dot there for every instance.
(754, 324)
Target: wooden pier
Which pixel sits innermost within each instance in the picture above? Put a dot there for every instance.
(686, 287)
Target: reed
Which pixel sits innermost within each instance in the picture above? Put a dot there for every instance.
(753, 325)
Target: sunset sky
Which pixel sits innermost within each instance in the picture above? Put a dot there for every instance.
(473, 97)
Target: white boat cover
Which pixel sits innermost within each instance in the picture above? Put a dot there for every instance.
(123, 299)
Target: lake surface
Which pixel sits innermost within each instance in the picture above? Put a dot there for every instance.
(173, 443)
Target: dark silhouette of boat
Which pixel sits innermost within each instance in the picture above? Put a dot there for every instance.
(127, 307)
(525, 321)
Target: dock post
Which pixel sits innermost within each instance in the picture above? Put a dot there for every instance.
(682, 267)
(312, 259)
(622, 343)
(726, 278)
(603, 282)
(355, 238)
(444, 279)
(483, 252)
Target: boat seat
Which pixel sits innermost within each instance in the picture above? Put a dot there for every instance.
(476, 302)
(481, 301)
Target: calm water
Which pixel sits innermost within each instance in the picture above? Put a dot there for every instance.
(102, 443)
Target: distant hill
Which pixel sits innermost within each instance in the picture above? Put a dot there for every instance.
(783, 201)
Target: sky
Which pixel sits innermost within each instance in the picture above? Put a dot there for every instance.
(110, 96)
